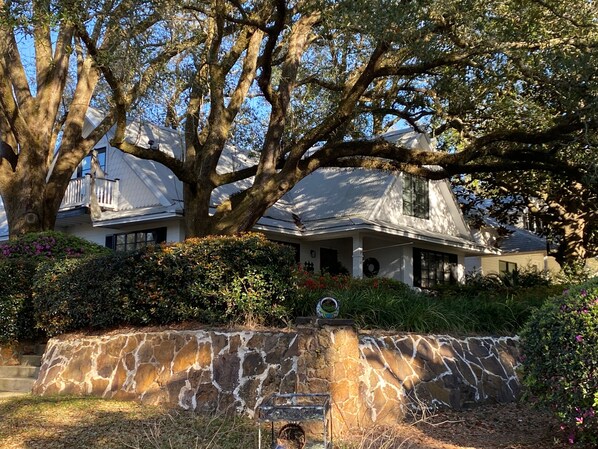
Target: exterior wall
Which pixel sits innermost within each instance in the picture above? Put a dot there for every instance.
(98, 235)
(534, 260)
(195, 370)
(445, 217)
(371, 378)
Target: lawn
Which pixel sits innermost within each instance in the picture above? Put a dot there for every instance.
(89, 423)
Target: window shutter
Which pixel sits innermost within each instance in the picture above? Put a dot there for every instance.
(161, 235)
(110, 241)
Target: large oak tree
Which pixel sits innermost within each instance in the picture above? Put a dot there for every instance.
(302, 85)
(48, 80)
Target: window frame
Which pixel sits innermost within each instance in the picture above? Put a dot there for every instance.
(102, 156)
(416, 196)
(135, 240)
(427, 272)
(507, 265)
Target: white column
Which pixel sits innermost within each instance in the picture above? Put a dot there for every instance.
(357, 271)
(407, 268)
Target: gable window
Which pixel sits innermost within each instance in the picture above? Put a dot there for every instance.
(416, 196)
(131, 241)
(506, 267)
(431, 268)
(84, 167)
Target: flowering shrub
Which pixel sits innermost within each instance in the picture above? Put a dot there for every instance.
(19, 261)
(48, 245)
(560, 359)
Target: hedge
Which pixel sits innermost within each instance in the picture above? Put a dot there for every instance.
(215, 280)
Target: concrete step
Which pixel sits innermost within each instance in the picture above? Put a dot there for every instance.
(16, 384)
(31, 360)
(19, 371)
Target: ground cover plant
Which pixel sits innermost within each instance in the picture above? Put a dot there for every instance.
(482, 305)
(560, 364)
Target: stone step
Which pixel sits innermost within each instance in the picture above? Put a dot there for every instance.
(19, 371)
(12, 394)
(31, 360)
(16, 384)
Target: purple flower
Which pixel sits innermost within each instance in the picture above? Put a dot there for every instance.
(584, 293)
(579, 338)
(571, 438)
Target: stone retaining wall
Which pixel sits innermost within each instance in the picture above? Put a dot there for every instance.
(371, 378)
(407, 372)
(9, 355)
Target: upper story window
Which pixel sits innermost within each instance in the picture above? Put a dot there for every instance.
(85, 167)
(416, 196)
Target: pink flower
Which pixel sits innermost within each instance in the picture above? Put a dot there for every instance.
(579, 338)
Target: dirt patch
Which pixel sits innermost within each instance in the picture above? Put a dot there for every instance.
(506, 426)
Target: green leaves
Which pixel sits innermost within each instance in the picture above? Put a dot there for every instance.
(560, 347)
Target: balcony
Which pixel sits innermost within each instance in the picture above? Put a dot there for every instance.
(78, 193)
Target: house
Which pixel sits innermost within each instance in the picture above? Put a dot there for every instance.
(365, 222)
(520, 249)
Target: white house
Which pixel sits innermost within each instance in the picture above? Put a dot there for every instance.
(369, 222)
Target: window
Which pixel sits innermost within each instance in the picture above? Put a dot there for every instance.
(131, 241)
(84, 167)
(416, 196)
(431, 268)
(506, 267)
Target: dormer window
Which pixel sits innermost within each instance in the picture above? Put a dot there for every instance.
(84, 167)
(416, 196)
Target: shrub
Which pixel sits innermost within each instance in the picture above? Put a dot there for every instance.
(560, 348)
(49, 245)
(214, 280)
(19, 260)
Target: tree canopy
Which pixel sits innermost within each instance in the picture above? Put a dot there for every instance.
(302, 85)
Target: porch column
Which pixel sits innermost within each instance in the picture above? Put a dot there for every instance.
(357, 271)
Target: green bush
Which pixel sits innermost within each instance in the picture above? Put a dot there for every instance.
(560, 350)
(215, 280)
(19, 261)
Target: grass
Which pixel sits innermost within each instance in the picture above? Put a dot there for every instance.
(71, 422)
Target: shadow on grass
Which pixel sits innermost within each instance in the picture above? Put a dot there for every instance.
(31, 422)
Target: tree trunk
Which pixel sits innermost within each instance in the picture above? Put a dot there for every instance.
(573, 246)
(26, 204)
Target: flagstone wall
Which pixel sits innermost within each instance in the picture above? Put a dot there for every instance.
(371, 377)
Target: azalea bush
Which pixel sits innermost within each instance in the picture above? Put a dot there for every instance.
(20, 259)
(214, 280)
(560, 360)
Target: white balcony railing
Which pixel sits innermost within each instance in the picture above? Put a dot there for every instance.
(78, 193)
